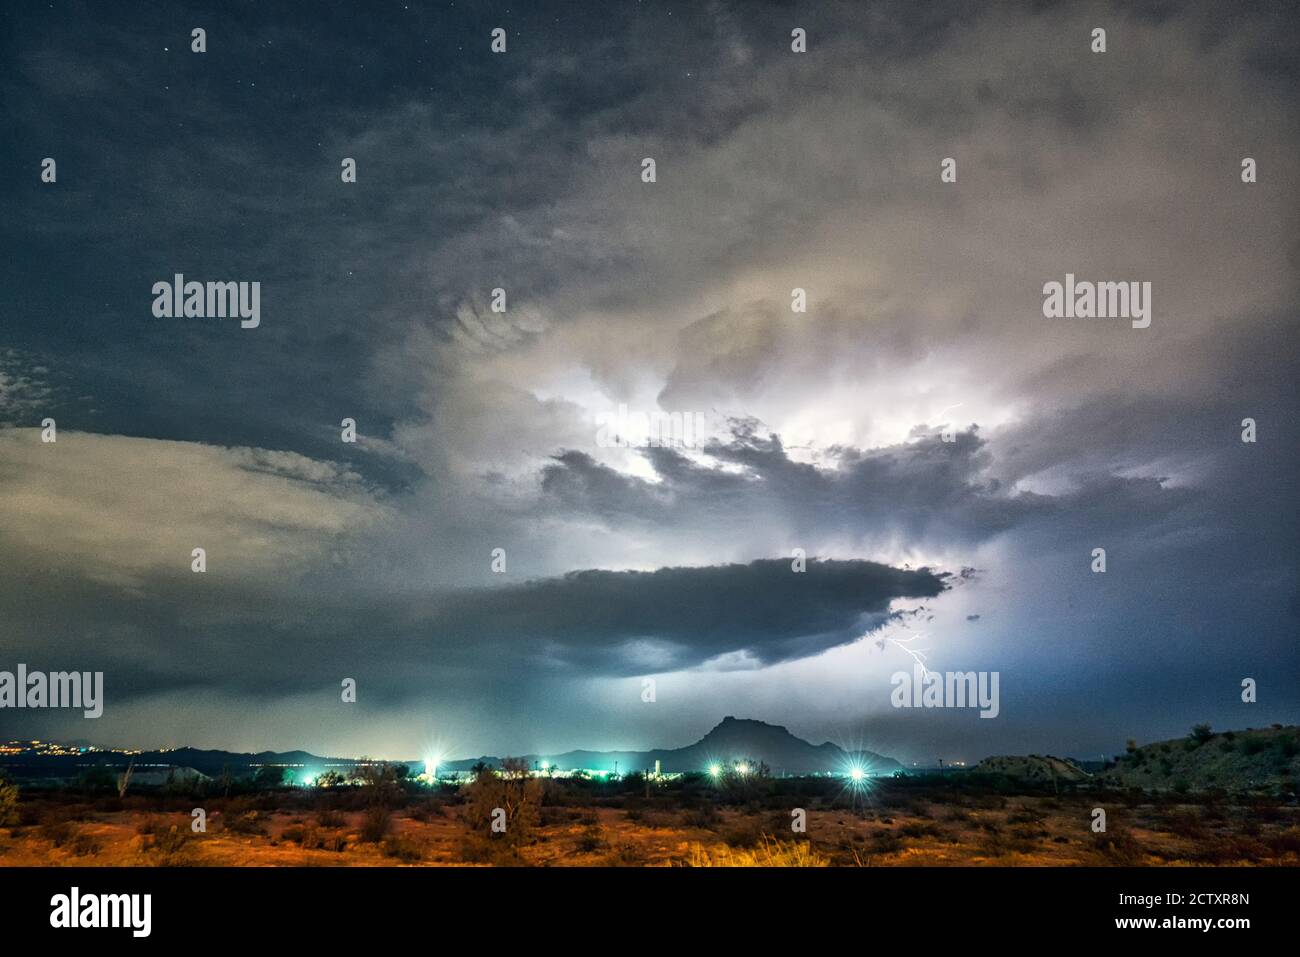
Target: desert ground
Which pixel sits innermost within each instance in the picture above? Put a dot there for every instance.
(887, 822)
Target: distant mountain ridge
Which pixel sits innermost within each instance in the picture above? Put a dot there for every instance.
(734, 739)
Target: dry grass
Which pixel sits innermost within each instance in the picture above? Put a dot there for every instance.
(768, 853)
(894, 830)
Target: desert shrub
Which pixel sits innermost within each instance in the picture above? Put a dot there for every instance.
(58, 832)
(1253, 745)
(622, 855)
(248, 823)
(83, 845)
(1119, 847)
(885, 842)
(549, 816)
(475, 849)
(1023, 838)
(514, 791)
(1285, 842)
(1228, 849)
(330, 779)
(330, 817)
(661, 819)
(172, 848)
(171, 840)
(745, 832)
(705, 816)
(376, 823)
(402, 849)
(1023, 815)
(382, 782)
(9, 815)
(591, 840)
(919, 829)
(779, 822)
(1184, 824)
(425, 811)
(478, 848)
(269, 776)
(313, 838)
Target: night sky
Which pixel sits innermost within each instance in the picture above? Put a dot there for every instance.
(478, 430)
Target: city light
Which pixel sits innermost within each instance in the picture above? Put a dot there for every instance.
(859, 778)
(714, 770)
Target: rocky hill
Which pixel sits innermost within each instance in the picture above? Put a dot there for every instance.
(1034, 769)
(1252, 760)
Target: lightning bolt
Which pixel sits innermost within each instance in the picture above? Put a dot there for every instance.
(918, 654)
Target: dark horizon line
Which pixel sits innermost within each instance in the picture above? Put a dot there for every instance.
(537, 754)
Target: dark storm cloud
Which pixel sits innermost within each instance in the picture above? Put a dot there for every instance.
(247, 637)
(926, 490)
(684, 616)
(226, 164)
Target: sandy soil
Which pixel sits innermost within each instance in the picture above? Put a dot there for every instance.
(1032, 831)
